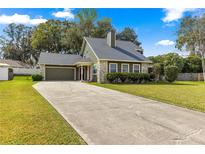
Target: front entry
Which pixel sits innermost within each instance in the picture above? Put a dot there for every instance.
(84, 73)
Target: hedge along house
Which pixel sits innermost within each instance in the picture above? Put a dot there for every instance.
(98, 57)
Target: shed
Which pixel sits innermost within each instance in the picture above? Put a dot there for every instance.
(6, 72)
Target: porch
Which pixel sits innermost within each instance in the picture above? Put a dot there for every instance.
(84, 71)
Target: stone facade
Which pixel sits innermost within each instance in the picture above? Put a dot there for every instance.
(42, 68)
(102, 68)
(144, 68)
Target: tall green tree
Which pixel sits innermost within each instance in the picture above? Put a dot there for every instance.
(173, 59)
(47, 36)
(129, 34)
(102, 28)
(16, 43)
(87, 19)
(192, 64)
(72, 39)
(191, 37)
(58, 37)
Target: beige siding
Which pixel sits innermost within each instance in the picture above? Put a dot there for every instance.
(88, 53)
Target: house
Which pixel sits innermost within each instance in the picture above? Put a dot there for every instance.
(14, 63)
(6, 72)
(19, 67)
(98, 56)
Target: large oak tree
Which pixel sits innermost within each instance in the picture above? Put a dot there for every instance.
(16, 43)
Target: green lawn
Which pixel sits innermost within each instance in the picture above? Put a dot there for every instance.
(185, 94)
(27, 118)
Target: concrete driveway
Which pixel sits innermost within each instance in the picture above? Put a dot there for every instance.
(103, 116)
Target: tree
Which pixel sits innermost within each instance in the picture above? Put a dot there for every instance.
(57, 36)
(87, 18)
(157, 70)
(102, 28)
(16, 43)
(128, 34)
(157, 59)
(72, 40)
(173, 59)
(167, 60)
(171, 73)
(192, 64)
(191, 36)
(47, 36)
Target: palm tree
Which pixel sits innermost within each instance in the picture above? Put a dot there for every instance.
(87, 19)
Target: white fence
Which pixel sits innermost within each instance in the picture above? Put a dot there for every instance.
(26, 71)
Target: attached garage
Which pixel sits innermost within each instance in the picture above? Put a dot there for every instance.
(60, 73)
(64, 67)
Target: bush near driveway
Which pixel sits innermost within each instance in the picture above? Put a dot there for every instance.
(37, 77)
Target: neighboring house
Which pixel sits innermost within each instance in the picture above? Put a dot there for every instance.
(6, 72)
(97, 57)
(14, 63)
(19, 68)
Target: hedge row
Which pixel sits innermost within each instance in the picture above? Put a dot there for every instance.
(128, 77)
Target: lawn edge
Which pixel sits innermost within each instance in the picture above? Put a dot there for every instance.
(151, 98)
(80, 133)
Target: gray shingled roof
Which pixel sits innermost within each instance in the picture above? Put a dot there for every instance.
(124, 50)
(60, 59)
(14, 63)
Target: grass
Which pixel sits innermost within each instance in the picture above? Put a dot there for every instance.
(27, 118)
(187, 94)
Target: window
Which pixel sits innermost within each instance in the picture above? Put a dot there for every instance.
(112, 67)
(136, 68)
(94, 69)
(124, 67)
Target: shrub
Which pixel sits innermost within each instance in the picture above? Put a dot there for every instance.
(37, 77)
(143, 77)
(146, 77)
(123, 76)
(112, 77)
(152, 76)
(171, 73)
(157, 70)
(140, 77)
(131, 77)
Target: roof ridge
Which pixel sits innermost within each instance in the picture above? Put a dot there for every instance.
(59, 53)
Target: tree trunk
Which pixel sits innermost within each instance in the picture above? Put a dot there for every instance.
(203, 67)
